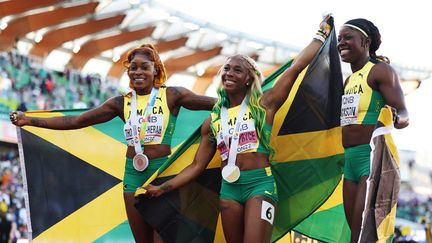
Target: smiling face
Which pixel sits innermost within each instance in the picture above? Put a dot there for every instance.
(141, 73)
(235, 76)
(352, 45)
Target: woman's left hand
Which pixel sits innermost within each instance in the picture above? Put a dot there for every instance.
(326, 24)
(395, 114)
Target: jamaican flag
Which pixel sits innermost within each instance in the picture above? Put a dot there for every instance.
(307, 164)
(190, 213)
(327, 223)
(73, 179)
(308, 160)
(383, 184)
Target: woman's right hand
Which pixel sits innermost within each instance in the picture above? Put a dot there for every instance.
(17, 118)
(154, 191)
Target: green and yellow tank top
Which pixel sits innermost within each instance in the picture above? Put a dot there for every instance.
(249, 142)
(360, 103)
(161, 122)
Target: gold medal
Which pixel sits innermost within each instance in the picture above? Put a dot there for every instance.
(231, 173)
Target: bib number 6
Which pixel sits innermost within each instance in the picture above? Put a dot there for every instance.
(267, 212)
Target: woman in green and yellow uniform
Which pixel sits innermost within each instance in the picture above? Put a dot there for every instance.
(149, 112)
(239, 128)
(372, 85)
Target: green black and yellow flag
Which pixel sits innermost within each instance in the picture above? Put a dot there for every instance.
(190, 213)
(306, 132)
(327, 223)
(307, 166)
(74, 177)
(383, 184)
(74, 182)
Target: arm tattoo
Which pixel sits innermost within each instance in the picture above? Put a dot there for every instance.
(166, 187)
(38, 122)
(99, 116)
(176, 91)
(119, 102)
(207, 101)
(119, 106)
(67, 120)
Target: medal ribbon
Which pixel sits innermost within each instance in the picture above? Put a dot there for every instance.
(232, 151)
(134, 119)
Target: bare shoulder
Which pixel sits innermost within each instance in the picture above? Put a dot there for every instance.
(114, 105)
(382, 73)
(176, 91)
(175, 94)
(117, 102)
(383, 67)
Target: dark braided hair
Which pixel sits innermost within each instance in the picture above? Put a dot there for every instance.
(373, 34)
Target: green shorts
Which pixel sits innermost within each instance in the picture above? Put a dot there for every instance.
(133, 179)
(251, 183)
(357, 162)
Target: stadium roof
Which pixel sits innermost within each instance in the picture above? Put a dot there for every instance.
(94, 36)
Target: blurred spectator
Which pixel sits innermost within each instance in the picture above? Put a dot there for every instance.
(12, 208)
(26, 85)
(7, 227)
(415, 208)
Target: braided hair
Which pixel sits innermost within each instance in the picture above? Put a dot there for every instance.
(255, 94)
(369, 30)
(151, 53)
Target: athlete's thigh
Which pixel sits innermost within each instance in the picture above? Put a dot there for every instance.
(349, 198)
(358, 208)
(141, 231)
(232, 214)
(259, 218)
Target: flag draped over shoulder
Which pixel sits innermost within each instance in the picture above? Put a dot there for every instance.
(383, 184)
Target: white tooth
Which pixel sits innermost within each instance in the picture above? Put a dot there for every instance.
(343, 52)
(229, 82)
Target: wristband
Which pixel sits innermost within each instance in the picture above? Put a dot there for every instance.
(320, 38)
(322, 32)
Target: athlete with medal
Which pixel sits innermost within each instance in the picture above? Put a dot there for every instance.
(239, 128)
(372, 85)
(140, 160)
(148, 128)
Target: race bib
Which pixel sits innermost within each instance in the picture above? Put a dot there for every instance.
(223, 150)
(128, 133)
(248, 139)
(154, 128)
(267, 212)
(349, 109)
